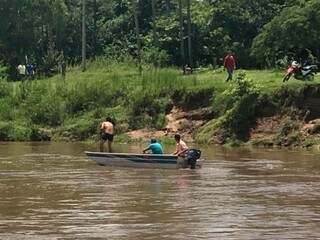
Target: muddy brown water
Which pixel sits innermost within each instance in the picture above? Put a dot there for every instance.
(52, 191)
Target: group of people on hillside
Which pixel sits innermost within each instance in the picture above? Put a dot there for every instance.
(107, 134)
(30, 70)
(27, 70)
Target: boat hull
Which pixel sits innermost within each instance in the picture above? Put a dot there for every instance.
(139, 160)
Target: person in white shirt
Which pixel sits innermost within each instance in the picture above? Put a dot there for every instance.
(22, 70)
(181, 147)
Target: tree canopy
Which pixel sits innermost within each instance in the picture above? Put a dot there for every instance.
(294, 33)
(259, 32)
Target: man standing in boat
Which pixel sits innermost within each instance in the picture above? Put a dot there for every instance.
(106, 131)
(181, 147)
(154, 147)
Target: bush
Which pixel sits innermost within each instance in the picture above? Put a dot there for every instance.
(50, 62)
(80, 128)
(237, 107)
(15, 131)
(5, 88)
(3, 71)
(86, 96)
(118, 53)
(154, 56)
(19, 132)
(288, 133)
(4, 131)
(49, 111)
(146, 109)
(6, 111)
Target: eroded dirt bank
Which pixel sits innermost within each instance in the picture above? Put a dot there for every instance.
(287, 118)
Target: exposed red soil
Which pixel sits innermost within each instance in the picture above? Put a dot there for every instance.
(178, 121)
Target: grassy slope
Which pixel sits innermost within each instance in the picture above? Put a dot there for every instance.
(74, 107)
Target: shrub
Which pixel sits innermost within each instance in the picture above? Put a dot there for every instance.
(3, 71)
(237, 107)
(5, 88)
(4, 131)
(6, 111)
(288, 133)
(154, 56)
(19, 132)
(146, 109)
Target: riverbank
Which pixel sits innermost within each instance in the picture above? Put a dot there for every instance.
(257, 107)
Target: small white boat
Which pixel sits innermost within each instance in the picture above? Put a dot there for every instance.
(166, 161)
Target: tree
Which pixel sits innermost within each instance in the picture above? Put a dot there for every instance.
(294, 33)
(181, 35)
(84, 42)
(154, 30)
(167, 2)
(237, 22)
(41, 29)
(137, 29)
(189, 33)
(95, 19)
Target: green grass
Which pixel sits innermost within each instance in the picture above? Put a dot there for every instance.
(74, 106)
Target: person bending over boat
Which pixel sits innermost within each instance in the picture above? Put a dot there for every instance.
(106, 130)
(154, 147)
(181, 147)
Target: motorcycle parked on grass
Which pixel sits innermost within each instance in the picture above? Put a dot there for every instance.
(305, 73)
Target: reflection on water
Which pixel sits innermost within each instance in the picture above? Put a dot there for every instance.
(52, 191)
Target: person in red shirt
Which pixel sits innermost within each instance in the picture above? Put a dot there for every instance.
(229, 64)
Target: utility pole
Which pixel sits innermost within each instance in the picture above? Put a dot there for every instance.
(136, 20)
(181, 36)
(84, 43)
(189, 33)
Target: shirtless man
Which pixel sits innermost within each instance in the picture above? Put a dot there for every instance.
(106, 130)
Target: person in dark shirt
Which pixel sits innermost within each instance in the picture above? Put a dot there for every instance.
(29, 69)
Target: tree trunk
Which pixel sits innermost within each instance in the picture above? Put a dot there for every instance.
(137, 29)
(95, 19)
(167, 6)
(154, 27)
(181, 36)
(189, 34)
(83, 36)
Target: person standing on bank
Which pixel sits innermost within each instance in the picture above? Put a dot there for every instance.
(181, 147)
(106, 131)
(229, 64)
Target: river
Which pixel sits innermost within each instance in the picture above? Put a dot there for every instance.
(52, 191)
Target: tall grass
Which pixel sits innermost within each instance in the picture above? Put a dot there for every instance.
(74, 106)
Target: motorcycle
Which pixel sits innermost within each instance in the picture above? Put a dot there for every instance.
(301, 72)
